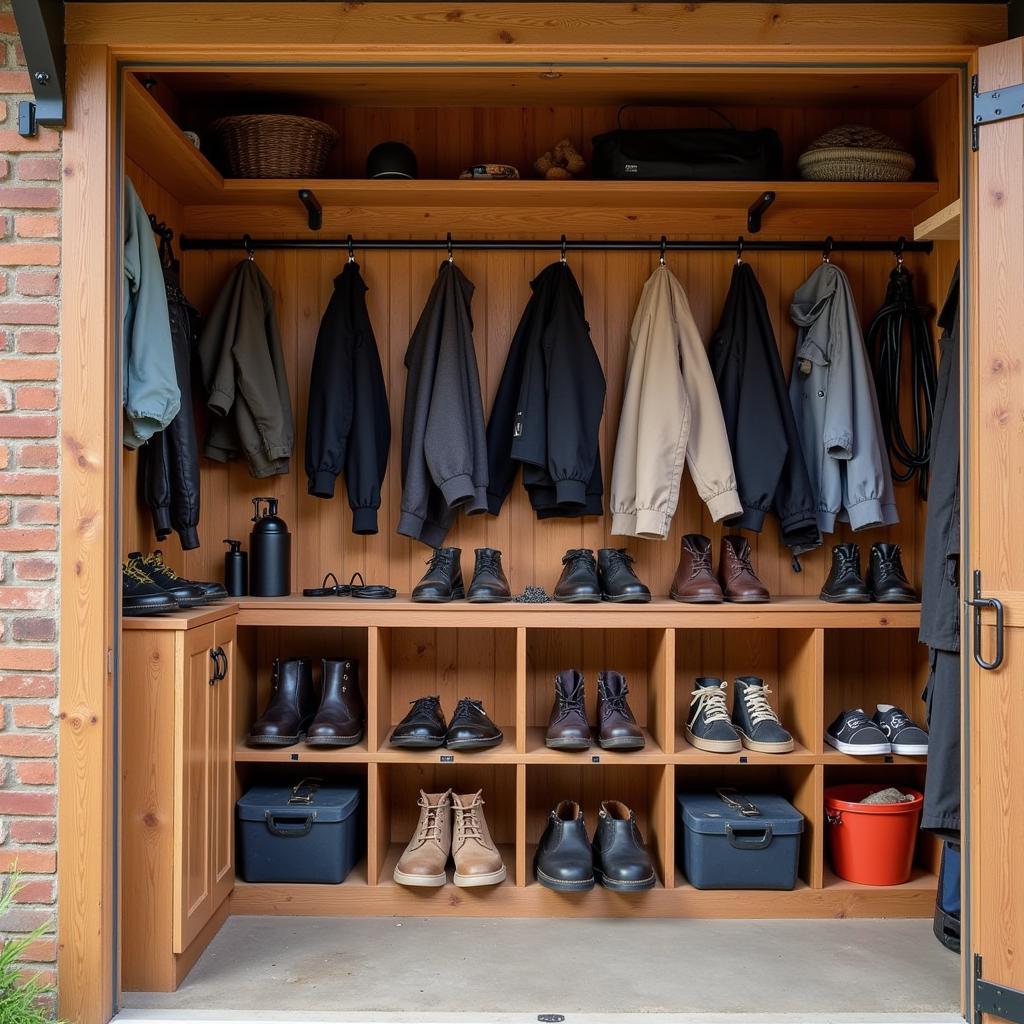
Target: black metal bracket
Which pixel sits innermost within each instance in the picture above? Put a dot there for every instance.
(757, 210)
(997, 105)
(316, 212)
(996, 1000)
(41, 27)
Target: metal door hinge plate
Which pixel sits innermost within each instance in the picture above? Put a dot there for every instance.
(996, 105)
(996, 1000)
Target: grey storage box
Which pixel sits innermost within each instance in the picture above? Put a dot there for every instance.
(304, 833)
(730, 840)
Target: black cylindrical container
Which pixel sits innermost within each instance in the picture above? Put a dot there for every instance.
(270, 544)
(236, 569)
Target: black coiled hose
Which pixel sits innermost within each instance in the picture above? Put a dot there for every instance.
(901, 317)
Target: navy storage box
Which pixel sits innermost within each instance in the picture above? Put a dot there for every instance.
(722, 848)
(304, 833)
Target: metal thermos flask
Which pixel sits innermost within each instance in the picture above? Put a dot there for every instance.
(270, 545)
(236, 569)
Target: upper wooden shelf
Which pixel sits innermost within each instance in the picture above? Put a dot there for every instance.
(943, 226)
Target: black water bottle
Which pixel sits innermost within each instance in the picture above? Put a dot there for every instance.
(236, 569)
(270, 545)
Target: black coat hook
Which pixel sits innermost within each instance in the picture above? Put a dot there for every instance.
(901, 244)
(661, 256)
(826, 252)
(451, 258)
(562, 257)
(739, 250)
(351, 251)
(250, 249)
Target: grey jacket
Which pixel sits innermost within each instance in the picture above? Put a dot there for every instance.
(244, 374)
(444, 446)
(150, 389)
(836, 409)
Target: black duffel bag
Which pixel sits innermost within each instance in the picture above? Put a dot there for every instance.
(687, 154)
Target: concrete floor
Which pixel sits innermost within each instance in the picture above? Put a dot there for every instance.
(441, 966)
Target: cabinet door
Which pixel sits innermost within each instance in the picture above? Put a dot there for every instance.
(222, 767)
(994, 783)
(193, 867)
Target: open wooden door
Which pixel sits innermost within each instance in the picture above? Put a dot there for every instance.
(994, 470)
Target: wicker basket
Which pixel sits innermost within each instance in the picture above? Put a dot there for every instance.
(855, 153)
(274, 145)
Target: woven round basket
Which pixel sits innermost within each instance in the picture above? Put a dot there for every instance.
(274, 145)
(855, 153)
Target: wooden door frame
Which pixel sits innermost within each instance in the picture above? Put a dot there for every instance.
(102, 38)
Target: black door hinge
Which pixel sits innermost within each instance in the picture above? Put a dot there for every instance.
(996, 1000)
(996, 105)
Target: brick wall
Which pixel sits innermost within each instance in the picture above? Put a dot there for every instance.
(30, 225)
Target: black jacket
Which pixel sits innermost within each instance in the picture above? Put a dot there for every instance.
(547, 411)
(769, 463)
(169, 460)
(348, 428)
(444, 446)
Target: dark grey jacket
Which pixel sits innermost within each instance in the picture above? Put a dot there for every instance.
(444, 447)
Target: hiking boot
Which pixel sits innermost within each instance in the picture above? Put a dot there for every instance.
(160, 570)
(140, 595)
(184, 593)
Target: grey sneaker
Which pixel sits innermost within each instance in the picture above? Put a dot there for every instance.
(708, 726)
(904, 734)
(854, 733)
(755, 719)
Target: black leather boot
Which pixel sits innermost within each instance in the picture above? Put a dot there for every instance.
(886, 580)
(578, 583)
(339, 722)
(443, 580)
(470, 728)
(162, 573)
(184, 593)
(568, 728)
(292, 705)
(618, 581)
(489, 585)
(564, 860)
(140, 595)
(617, 728)
(423, 727)
(621, 860)
(845, 585)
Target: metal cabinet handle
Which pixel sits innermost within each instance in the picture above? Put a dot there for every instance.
(220, 665)
(977, 603)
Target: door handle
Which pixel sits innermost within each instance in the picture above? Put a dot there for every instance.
(220, 665)
(977, 603)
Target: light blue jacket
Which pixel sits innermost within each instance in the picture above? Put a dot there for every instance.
(836, 408)
(151, 395)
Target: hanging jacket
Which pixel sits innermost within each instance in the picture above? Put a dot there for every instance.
(671, 415)
(833, 397)
(169, 461)
(768, 459)
(244, 375)
(348, 427)
(150, 396)
(547, 411)
(444, 446)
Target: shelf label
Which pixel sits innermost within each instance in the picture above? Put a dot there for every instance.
(595, 759)
(447, 759)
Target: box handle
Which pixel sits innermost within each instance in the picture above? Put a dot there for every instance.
(298, 828)
(747, 840)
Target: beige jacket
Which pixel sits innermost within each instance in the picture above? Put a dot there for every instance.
(670, 415)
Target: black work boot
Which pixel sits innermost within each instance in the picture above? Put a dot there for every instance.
(618, 581)
(489, 585)
(845, 585)
(565, 860)
(161, 571)
(140, 594)
(568, 728)
(443, 580)
(621, 860)
(578, 583)
(184, 593)
(616, 726)
(339, 720)
(293, 703)
(887, 581)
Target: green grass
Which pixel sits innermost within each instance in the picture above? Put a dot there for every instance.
(21, 1001)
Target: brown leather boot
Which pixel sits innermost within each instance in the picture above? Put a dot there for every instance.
(292, 705)
(617, 728)
(477, 861)
(568, 728)
(695, 581)
(339, 722)
(425, 858)
(736, 574)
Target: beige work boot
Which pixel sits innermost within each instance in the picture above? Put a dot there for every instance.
(424, 860)
(477, 861)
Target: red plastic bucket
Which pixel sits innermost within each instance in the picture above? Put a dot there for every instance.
(871, 844)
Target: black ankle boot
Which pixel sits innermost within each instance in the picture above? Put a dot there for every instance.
(293, 703)
(886, 579)
(621, 860)
(845, 585)
(443, 580)
(565, 860)
(339, 721)
(578, 582)
(489, 585)
(618, 581)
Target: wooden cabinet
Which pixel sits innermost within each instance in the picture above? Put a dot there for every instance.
(178, 790)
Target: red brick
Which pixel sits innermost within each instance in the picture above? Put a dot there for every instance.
(34, 569)
(37, 456)
(37, 226)
(3, 110)
(6, 399)
(16, 425)
(14, 81)
(28, 483)
(41, 399)
(29, 313)
(35, 773)
(30, 832)
(29, 254)
(26, 598)
(24, 920)
(5, 456)
(5, 513)
(4, 282)
(32, 862)
(37, 341)
(28, 540)
(39, 169)
(39, 630)
(44, 980)
(5, 167)
(11, 142)
(37, 282)
(8, 26)
(37, 513)
(23, 745)
(30, 197)
(42, 951)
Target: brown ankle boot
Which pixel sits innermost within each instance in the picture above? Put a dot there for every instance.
(425, 858)
(477, 861)
(736, 574)
(694, 581)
